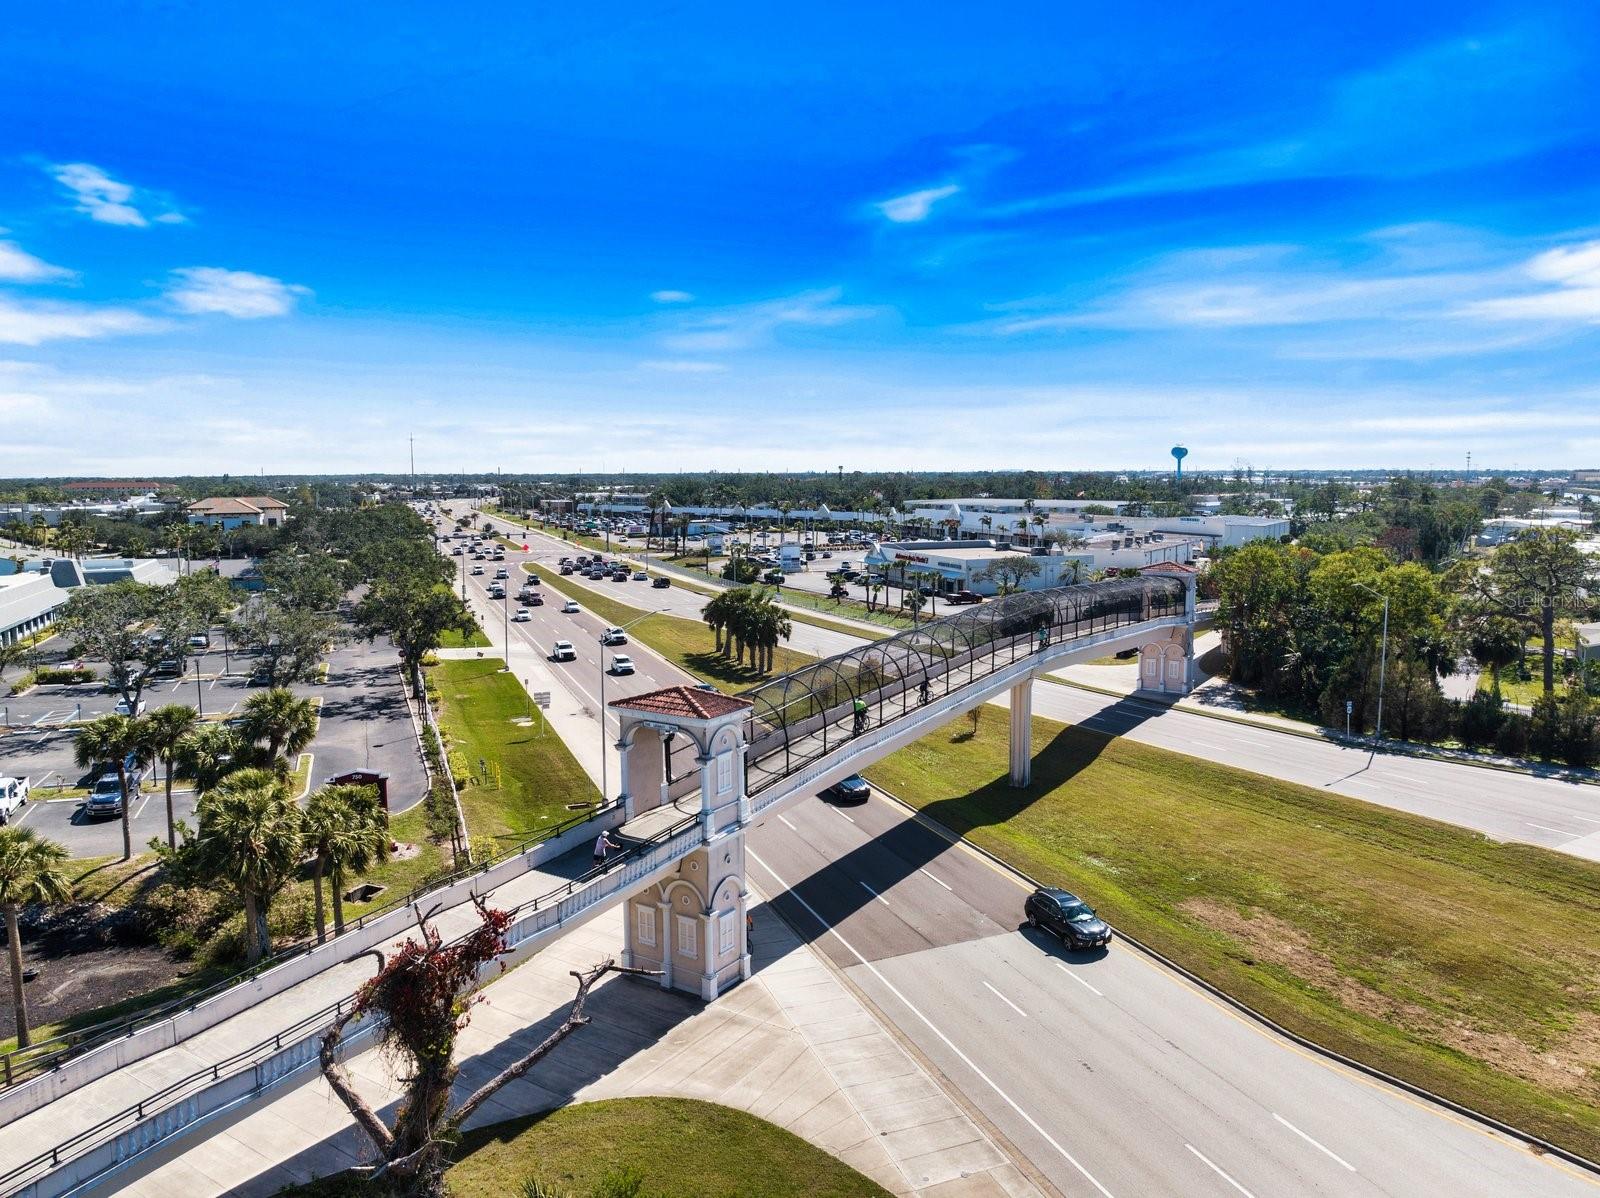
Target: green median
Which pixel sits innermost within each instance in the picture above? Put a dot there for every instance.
(1466, 966)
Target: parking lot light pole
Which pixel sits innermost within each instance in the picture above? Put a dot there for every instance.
(604, 742)
(1383, 657)
(199, 694)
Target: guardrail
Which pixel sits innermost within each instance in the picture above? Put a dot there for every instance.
(202, 1095)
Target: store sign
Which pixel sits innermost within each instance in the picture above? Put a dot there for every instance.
(911, 557)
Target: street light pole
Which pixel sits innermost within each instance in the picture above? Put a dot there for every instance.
(1383, 657)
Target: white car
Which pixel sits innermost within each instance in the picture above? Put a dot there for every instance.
(522, 617)
(563, 651)
(571, 607)
(613, 636)
(621, 663)
(124, 707)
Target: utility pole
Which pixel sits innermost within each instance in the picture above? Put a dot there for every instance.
(1383, 657)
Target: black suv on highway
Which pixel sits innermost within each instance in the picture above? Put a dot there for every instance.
(1066, 915)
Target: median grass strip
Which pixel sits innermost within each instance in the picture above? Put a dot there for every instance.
(519, 777)
(451, 638)
(688, 644)
(676, 1147)
(1466, 966)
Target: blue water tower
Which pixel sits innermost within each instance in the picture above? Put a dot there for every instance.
(1178, 454)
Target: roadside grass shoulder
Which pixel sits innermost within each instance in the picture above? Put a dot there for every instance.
(518, 776)
(802, 617)
(1466, 966)
(452, 639)
(688, 644)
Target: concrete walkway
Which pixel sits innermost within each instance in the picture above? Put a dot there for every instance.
(793, 1045)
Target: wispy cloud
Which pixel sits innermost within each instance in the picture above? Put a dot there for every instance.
(670, 296)
(202, 290)
(751, 324)
(19, 266)
(916, 205)
(683, 366)
(111, 201)
(1456, 103)
(1573, 273)
(36, 323)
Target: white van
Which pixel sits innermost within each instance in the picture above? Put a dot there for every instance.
(13, 795)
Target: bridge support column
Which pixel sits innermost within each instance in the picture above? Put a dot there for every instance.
(1021, 700)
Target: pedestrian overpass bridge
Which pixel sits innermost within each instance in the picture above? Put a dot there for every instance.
(698, 768)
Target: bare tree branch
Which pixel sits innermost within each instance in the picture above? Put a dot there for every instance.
(574, 1020)
(339, 1081)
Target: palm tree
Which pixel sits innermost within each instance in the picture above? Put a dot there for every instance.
(118, 739)
(250, 838)
(208, 754)
(1039, 521)
(986, 523)
(165, 731)
(31, 871)
(280, 720)
(346, 829)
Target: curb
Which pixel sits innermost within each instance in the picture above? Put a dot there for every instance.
(1266, 1021)
(1390, 749)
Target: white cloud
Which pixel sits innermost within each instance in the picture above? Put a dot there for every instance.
(751, 324)
(200, 290)
(915, 206)
(672, 297)
(19, 266)
(34, 324)
(683, 366)
(1575, 273)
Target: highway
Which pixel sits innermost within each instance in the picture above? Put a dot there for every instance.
(1502, 804)
(1110, 1074)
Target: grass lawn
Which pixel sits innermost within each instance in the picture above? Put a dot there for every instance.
(522, 777)
(1526, 692)
(688, 644)
(452, 639)
(1467, 966)
(678, 1147)
(803, 617)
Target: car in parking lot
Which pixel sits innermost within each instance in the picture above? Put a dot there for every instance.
(167, 667)
(105, 796)
(199, 641)
(621, 663)
(1066, 916)
(613, 636)
(13, 797)
(775, 577)
(260, 676)
(661, 582)
(570, 607)
(964, 597)
(852, 790)
(522, 617)
(563, 651)
(127, 707)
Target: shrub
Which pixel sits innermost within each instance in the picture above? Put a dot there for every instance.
(65, 674)
(1479, 719)
(23, 682)
(1511, 738)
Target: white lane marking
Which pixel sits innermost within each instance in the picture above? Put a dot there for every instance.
(1586, 819)
(142, 806)
(1004, 999)
(934, 1028)
(1213, 1167)
(27, 811)
(873, 893)
(787, 824)
(941, 881)
(845, 816)
(1323, 1148)
(1076, 978)
(1548, 828)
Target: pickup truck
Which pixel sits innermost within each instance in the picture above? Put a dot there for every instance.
(13, 794)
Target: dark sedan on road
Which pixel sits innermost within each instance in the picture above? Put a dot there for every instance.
(1067, 916)
(852, 790)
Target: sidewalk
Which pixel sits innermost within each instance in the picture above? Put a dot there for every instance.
(793, 1046)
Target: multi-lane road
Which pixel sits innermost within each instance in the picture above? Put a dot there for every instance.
(1110, 1074)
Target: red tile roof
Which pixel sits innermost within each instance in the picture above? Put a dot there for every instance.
(689, 702)
(1169, 568)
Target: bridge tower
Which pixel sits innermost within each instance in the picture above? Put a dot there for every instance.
(691, 925)
(1166, 662)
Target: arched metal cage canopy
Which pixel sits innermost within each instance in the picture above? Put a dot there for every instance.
(796, 717)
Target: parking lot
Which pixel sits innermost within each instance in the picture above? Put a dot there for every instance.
(364, 725)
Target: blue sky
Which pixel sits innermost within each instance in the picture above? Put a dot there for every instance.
(695, 236)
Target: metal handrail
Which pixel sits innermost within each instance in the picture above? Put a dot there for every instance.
(153, 1105)
(20, 1064)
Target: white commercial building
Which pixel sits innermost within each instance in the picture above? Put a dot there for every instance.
(31, 598)
(29, 603)
(961, 565)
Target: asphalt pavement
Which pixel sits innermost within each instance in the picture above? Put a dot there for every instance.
(1111, 1074)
